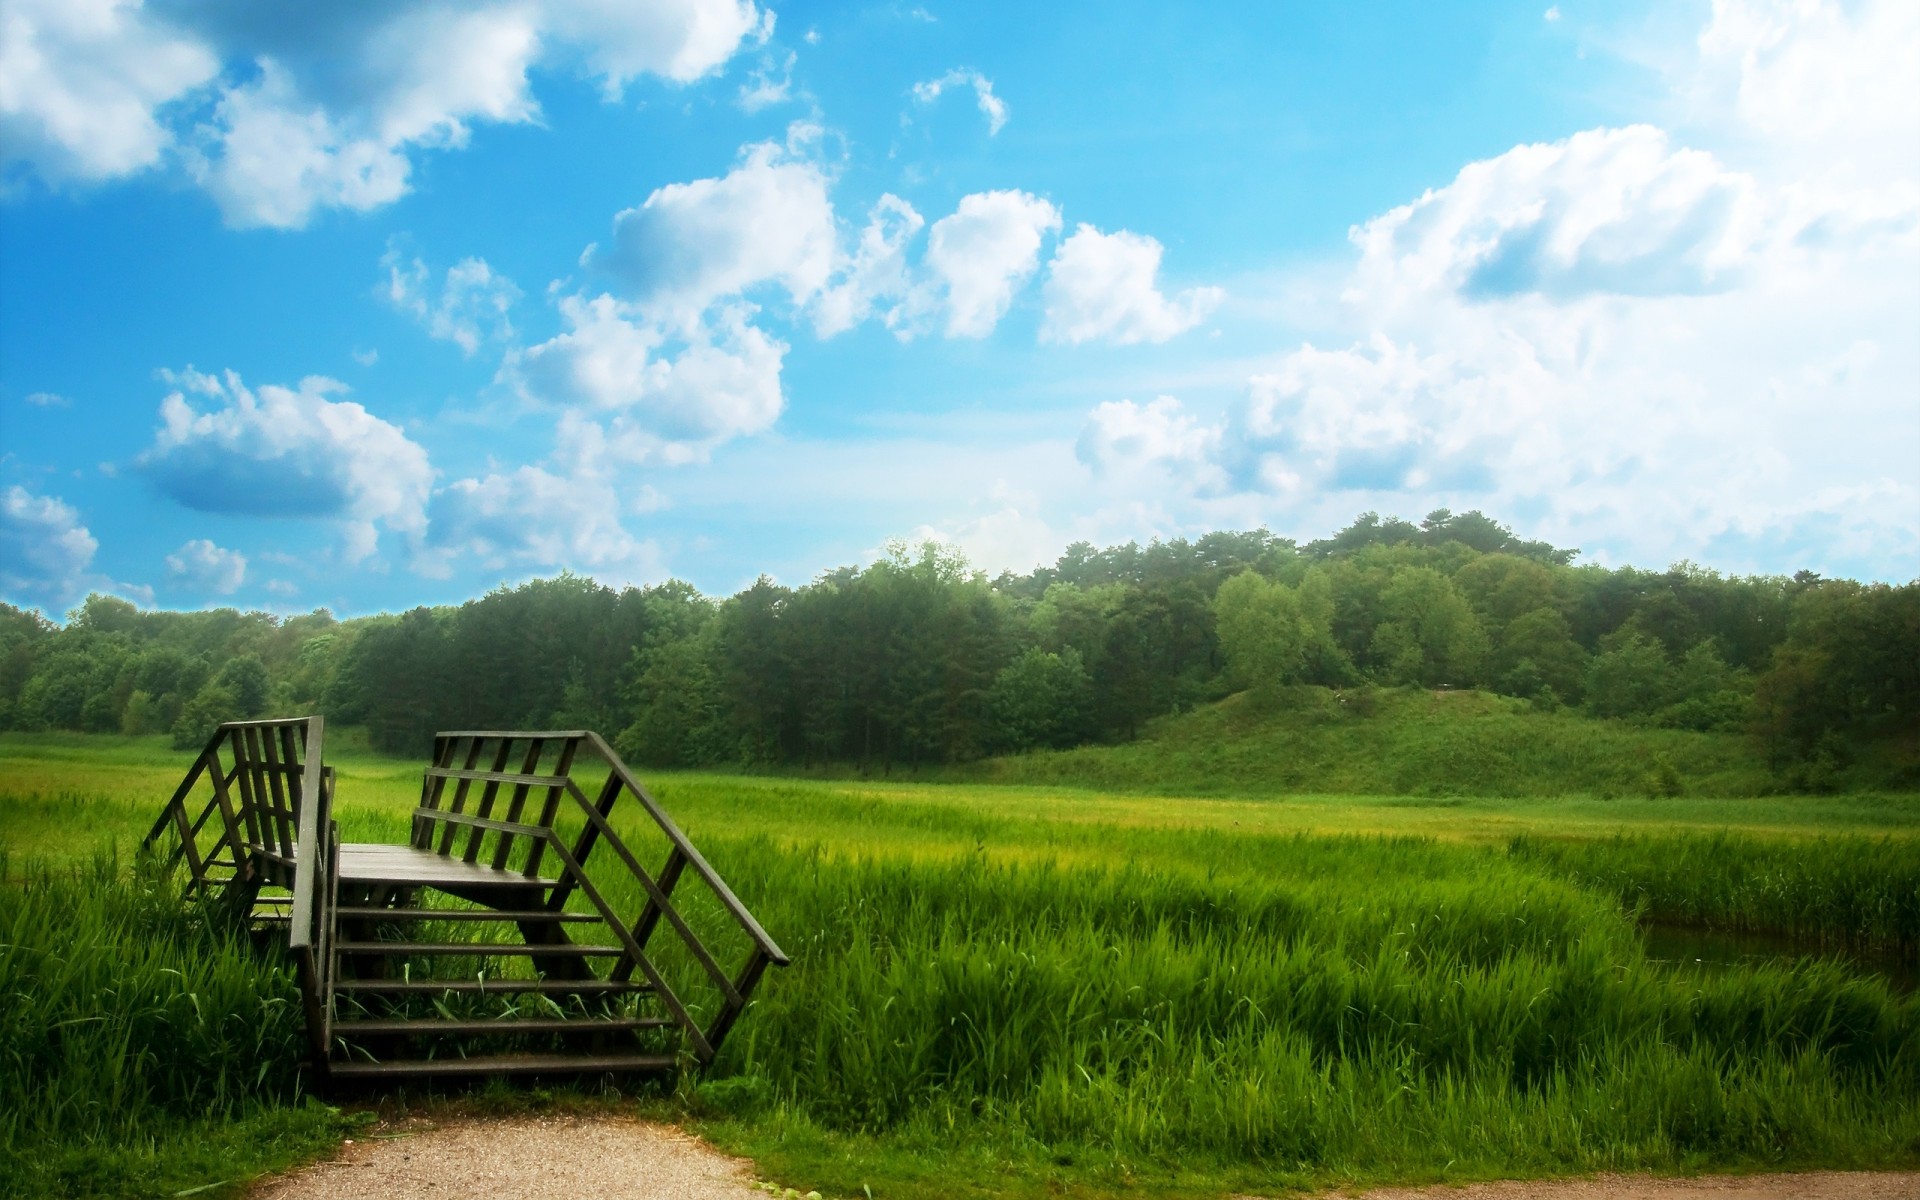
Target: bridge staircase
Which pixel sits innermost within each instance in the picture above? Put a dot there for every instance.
(481, 944)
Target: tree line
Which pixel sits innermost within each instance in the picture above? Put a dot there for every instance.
(919, 659)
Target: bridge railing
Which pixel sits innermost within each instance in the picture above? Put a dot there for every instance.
(315, 883)
(503, 797)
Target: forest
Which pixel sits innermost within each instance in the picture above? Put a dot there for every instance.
(917, 659)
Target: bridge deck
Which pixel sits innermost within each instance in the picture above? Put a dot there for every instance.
(408, 866)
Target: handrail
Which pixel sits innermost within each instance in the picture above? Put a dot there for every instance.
(695, 859)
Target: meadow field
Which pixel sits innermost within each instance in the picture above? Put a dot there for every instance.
(1024, 989)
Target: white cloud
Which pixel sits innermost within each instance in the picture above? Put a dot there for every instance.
(81, 82)
(271, 159)
(1831, 84)
(325, 107)
(691, 244)
(44, 549)
(201, 566)
(981, 254)
(1008, 539)
(991, 106)
(48, 400)
(1607, 210)
(284, 452)
(669, 397)
(1121, 435)
(877, 271)
(767, 85)
(473, 305)
(533, 518)
(1104, 285)
(1552, 14)
(680, 40)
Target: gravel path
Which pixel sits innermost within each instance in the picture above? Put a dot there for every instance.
(614, 1158)
(528, 1158)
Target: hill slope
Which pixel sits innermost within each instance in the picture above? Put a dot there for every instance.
(1398, 742)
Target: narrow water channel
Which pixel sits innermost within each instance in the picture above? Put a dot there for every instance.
(1684, 948)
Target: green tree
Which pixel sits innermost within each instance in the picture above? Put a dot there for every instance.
(1040, 699)
(1631, 678)
(1430, 635)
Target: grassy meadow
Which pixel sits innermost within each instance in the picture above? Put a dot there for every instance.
(1006, 986)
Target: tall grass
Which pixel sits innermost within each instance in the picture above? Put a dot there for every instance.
(1366, 1008)
(1842, 892)
(140, 1049)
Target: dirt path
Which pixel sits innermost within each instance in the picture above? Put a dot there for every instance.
(613, 1158)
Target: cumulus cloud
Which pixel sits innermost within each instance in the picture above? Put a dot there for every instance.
(44, 549)
(81, 83)
(1607, 210)
(201, 566)
(326, 107)
(1832, 81)
(534, 518)
(875, 273)
(981, 254)
(1105, 285)
(471, 305)
(666, 397)
(769, 220)
(288, 452)
(991, 106)
(1120, 435)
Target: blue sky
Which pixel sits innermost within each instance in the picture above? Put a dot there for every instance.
(388, 304)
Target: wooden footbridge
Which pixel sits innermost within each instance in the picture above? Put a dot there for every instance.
(483, 945)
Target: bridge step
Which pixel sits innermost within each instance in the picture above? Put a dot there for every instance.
(466, 914)
(422, 1026)
(545, 987)
(507, 1064)
(502, 949)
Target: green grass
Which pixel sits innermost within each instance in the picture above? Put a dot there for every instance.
(140, 1053)
(1027, 989)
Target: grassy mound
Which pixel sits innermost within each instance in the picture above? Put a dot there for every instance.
(1398, 742)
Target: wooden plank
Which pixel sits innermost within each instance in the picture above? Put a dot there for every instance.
(432, 785)
(521, 778)
(427, 1026)
(660, 988)
(482, 949)
(517, 803)
(743, 987)
(544, 987)
(280, 807)
(550, 808)
(243, 783)
(481, 823)
(657, 897)
(477, 833)
(364, 863)
(459, 800)
(669, 877)
(517, 916)
(507, 1064)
